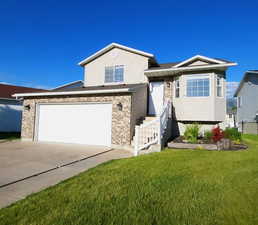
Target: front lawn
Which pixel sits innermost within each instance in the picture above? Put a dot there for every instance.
(189, 187)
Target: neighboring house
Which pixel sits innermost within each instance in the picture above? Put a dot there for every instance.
(74, 84)
(230, 120)
(123, 87)
(247, 104)
(10, 108)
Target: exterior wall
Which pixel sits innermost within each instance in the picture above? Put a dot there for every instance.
(249, 107)
(139, 107)
(10, 116)
(248, 127)
(198, 63)
(121, 133)
(220, 102)
(134, 65)
(204, 127)
(211, 108)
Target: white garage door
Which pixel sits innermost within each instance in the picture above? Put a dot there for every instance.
(75, 123)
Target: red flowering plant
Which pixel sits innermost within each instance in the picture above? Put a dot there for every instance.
(217, 134)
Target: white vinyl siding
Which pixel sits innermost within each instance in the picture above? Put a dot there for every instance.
(114, 74)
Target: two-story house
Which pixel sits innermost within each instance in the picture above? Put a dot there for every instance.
(247, 104)
(123, 87)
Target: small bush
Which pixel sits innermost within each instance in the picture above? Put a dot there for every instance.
(207, 135)
(191, 132)
(217, 134)
(233, 134)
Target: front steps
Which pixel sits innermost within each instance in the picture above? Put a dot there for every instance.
(143, 122)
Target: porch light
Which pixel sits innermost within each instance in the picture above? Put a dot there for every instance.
(119, 106)
(27, 107)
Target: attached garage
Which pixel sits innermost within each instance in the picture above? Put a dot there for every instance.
(84, 123)
(96, 115)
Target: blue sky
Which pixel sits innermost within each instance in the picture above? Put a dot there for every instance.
(41, 42)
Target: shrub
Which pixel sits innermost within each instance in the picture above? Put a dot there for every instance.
(233, 134)
(217, 134)
(207, 135)
(191, 132)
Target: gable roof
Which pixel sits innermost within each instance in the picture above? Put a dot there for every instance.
(7, 90)
(175, 67)
(247, 73)
(111, 46)
(199, 57)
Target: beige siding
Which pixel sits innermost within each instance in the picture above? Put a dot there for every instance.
(210, 108)
(134, 66)
(220, 102)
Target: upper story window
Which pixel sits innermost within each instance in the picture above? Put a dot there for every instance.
(114, 74)
(177, 87)
(219, 86)
(198, 87)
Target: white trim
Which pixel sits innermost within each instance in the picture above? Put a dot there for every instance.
(109, 47)
(198, 57)
(74, 92)
(190, 68)
(64, 85)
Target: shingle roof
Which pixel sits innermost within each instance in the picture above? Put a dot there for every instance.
(163, 66)
(102, 87)
(6, 90)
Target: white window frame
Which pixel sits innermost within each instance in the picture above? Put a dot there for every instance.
(114, 71)
(220, 85)
(177, 87)
(198, 76)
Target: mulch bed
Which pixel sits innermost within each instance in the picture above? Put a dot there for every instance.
(181, 143)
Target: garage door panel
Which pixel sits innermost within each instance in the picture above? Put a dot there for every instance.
(75, 123)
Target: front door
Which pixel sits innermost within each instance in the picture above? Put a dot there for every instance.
(156, 97)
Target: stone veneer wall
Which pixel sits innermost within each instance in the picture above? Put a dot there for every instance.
(120, 119)
(168, 86)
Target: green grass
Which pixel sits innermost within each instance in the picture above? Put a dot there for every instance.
(9, 135)
(172, 187)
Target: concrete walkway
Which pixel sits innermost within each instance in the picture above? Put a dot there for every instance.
(19, 190)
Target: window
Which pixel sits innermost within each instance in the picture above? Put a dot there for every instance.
(198, 87)
(177, 87)
(114, 74)
(219, 87)
(239, 101)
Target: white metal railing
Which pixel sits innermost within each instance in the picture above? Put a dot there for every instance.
(152, 132)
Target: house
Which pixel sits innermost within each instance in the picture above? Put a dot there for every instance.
(230, 120)
(247, 104)
(125, 92)
(10, 108)
(74, 84)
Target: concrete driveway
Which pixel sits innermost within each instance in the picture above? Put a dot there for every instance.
(27, 167)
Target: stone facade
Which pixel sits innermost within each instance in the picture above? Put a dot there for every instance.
(121, 120)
